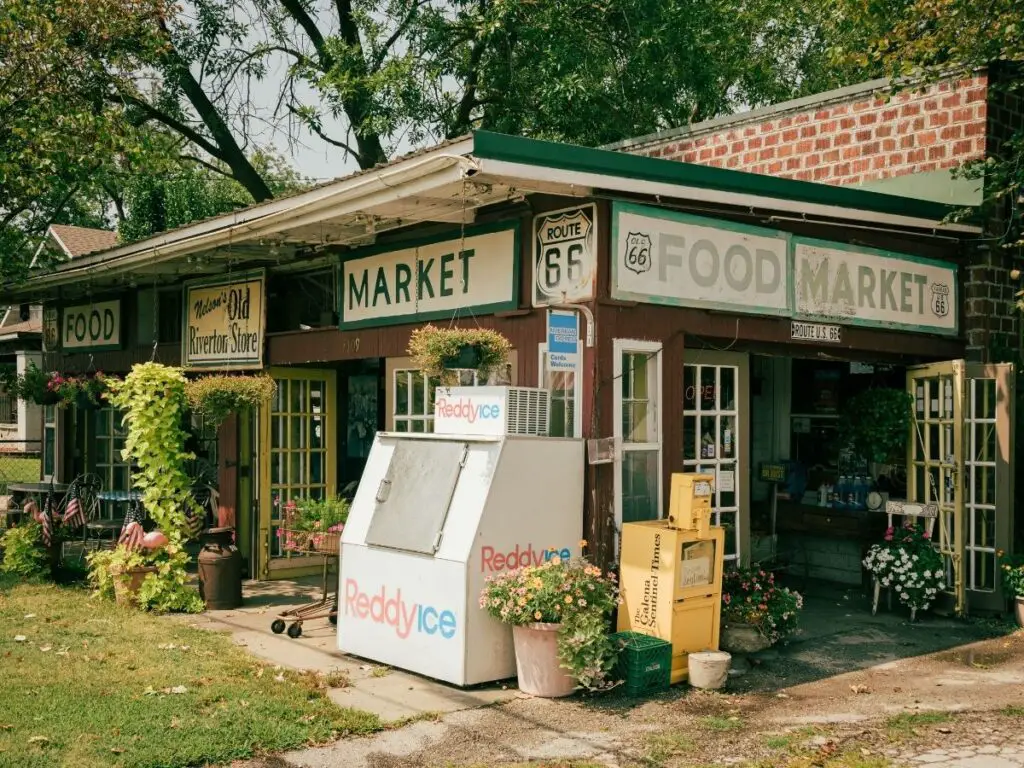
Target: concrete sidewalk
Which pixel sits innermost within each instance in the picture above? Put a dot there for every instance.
(388, 693)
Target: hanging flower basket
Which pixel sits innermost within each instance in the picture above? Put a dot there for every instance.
(438, 351)
(217, 397)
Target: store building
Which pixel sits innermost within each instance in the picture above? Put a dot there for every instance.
(715, 311)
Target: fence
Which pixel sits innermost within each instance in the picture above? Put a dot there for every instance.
(20, 462)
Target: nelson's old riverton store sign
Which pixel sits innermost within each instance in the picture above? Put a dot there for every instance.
(225, 321)
(663, 257)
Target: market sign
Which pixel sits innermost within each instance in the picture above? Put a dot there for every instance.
(865, 286)
(431, 280)
(663, 257)
(564, 256)
(91, 326)
(225, 321)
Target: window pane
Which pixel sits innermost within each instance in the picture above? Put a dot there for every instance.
(401, 425)
(418, 394)
(689, 387)
(401, 392)
(297, 401)
(708, 387)
(727, 389)
(639, 485)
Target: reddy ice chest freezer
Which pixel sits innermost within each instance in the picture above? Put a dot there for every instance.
(434, 516)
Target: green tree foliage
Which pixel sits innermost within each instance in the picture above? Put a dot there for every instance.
(920, 41)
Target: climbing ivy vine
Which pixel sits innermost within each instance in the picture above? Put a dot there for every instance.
(153, 399)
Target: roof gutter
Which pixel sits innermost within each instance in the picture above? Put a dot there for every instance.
(526, 173)
(349, 195)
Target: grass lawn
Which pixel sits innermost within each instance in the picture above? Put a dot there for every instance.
(92, 684)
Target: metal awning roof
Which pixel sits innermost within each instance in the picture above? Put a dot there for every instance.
(448, 184)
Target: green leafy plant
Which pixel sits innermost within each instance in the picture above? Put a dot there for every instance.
(875, 423)
(217, 397)
(154, 401)
(1012, 569)
(572, 593)
(439, 351)
(751, 596)
(105, 564)
(23, 553)
(907, 562)
(312, 524)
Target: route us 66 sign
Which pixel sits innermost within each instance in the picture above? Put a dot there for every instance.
(564, 255)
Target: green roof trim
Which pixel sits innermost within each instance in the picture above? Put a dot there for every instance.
(515, 149)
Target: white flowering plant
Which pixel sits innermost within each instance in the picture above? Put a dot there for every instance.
(572, 593)
(907, 563)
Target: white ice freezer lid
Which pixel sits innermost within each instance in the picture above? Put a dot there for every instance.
(413, 498)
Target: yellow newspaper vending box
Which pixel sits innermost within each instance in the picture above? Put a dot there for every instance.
(671, 573)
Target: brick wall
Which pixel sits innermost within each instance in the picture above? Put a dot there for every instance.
(864, 134)
(851, 136)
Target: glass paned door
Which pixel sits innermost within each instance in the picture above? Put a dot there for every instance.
(988, 479)
(711, 440)
(637, 431)
(298, 447)
(935, 471)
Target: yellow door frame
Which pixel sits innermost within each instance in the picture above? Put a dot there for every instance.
(935, 460)
(292, 566)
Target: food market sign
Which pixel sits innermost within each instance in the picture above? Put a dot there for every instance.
(224, 322)
(865, 286)
(431, 279)
(664, 257)
(91, 326)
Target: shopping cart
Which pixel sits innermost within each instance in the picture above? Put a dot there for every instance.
(328, 545)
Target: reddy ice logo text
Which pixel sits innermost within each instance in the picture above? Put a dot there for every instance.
(466, 409)
(392, 610)
(492, 560)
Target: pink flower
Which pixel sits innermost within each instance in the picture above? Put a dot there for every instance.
(927, 535)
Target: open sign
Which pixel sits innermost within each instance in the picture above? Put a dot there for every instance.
(92, 326)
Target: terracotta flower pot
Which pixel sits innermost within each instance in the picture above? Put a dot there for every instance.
(128, 582)
(1018, 610)
(742, 638)
(537, 666)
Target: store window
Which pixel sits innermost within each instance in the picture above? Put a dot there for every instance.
(638, 430)
(50, 439)
(564, 387)
(413, 398)
(710, 438)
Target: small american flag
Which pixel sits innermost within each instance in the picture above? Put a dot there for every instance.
(132, 532)
(74, 515)
(41, 516)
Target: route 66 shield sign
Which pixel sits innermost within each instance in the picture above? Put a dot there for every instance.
(637, 253)
(564, 256)
(940, 299)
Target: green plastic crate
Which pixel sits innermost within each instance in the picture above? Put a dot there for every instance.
(644, 663)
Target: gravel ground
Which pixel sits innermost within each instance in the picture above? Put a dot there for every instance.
(854, 691)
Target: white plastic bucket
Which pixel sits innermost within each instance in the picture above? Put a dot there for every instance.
(709, 669)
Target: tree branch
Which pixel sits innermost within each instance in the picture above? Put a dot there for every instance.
(319, 132)
(174, 124)
(295, 9)
(205, 164)
(382, 53)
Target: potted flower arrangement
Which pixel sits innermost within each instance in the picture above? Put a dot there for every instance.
(313, 525)
(756, 612)
(559, 612)
(907, 562)
(217, 397)
(1012, 568)
(439, 351)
